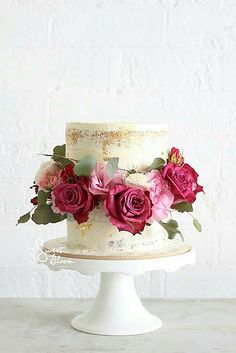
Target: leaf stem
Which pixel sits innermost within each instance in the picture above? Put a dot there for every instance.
(125, 170)
(57, 155)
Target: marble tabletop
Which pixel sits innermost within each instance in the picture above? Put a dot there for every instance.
(43, 326)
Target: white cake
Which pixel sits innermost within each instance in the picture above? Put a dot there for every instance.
(136, 145)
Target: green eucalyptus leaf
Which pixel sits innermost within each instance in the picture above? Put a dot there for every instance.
(42, 214)
(57, 217)
(171, 227)
(64, 161)
(60, 150)
(183, 207)
(157, 164)
(112, 166)
(24, 218)
(197, 225)
(58, 156)
(42, 197)
(85, 166)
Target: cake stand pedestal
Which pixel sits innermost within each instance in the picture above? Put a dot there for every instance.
(117, 309)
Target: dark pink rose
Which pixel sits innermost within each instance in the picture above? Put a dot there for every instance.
(73, 198)
(182, 181)
(68, 174)
(175, 156)
(128, 208)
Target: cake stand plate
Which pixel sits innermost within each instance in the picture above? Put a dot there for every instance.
(117, 309)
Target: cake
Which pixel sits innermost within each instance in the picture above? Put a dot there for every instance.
(136, 145)
(116, 186)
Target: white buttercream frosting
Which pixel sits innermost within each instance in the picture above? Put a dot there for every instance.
(137, 179)
(136, 145)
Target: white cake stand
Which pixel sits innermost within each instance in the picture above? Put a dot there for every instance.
(117, 309)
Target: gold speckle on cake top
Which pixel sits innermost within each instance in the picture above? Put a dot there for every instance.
(107, 138)
(73, 135)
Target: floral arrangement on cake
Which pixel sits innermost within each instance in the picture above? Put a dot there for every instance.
(131, 199)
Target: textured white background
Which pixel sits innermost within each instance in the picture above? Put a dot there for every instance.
(171, 61)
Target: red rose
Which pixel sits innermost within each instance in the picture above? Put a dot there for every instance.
(128, 208)
(182, 181)
(68, 174)
(73, 198)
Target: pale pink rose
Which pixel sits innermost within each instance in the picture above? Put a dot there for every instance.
(48, 181)
(101, 182)
(161, 207)
(161, 197)
(156, 184)
(48, 175)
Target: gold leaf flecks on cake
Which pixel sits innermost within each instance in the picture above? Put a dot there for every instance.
(107, 138)
(72, 136)
(84, 227)
(105, 153)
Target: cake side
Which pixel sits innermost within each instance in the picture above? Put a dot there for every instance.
(136, 145)
(99, 235)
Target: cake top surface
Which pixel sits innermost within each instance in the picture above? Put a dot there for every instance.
(118, 126)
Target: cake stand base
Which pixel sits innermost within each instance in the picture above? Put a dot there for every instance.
(117, 309)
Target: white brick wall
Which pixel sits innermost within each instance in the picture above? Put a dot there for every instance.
(171, 61)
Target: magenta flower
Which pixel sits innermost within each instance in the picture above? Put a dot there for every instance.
(183, 182)
(73, 198)
(128, 208)
(175, 156)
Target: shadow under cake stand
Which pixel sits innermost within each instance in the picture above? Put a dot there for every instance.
(117, 309)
